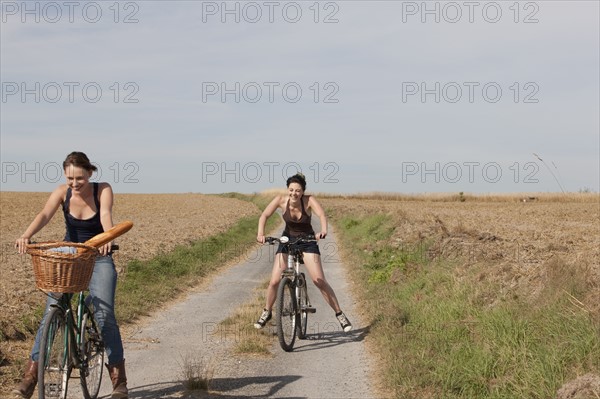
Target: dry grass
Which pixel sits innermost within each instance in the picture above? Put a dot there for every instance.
(519, 280)
(464, 197)
(249, 340)
(582, 197)
(197, 373)
(526, 247)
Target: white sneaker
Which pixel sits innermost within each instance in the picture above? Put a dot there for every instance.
(344, 322)
(263, 319)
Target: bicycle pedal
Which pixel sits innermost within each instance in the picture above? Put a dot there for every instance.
(309, 309)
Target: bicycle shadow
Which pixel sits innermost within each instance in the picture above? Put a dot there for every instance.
(219, 388)
(274, 384)
(322, 340)
(158, 390)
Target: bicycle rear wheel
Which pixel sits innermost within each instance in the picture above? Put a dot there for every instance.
(92, 350)
(287, 317)
(302, 306)
(54, 362)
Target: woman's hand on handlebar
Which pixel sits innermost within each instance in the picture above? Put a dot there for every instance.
(321, 235)
(260, 238)
(105, 249)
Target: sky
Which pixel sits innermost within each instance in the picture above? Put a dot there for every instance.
(359, 96)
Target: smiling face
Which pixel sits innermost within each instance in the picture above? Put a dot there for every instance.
(78, 178)
(295, 192)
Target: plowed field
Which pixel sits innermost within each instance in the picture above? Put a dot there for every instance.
(525, 246)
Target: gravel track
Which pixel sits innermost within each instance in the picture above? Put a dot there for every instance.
(328, 364)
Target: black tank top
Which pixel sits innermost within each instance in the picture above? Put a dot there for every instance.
(295, 228)
(81, 230)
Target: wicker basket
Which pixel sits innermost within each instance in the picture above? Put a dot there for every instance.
(57, 271)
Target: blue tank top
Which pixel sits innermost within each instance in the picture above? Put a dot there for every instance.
(81, 230)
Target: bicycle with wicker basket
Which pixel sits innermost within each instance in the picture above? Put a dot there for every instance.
(71, 337)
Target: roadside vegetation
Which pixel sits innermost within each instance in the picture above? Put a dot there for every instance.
(582, 196)
(446, 330)
(249, 340)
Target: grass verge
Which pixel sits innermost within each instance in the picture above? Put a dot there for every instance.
(436, 339)
(249, 340)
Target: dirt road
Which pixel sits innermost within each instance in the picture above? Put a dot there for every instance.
(329, 364)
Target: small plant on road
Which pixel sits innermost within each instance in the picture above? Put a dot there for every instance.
(197, 373)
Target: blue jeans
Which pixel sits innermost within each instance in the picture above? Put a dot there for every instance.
(102, 296)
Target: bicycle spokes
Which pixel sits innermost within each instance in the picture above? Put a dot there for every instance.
(92, 351)
(53, 375)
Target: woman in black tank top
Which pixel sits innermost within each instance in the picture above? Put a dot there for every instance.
(87, 209)
(297, 209)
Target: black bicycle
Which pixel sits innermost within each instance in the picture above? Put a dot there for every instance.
(293, 304)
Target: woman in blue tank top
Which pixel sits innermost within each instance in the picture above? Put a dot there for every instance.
(87, 209)
(296, 208)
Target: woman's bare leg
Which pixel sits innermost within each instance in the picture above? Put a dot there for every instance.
(315, 271)
(278, 266)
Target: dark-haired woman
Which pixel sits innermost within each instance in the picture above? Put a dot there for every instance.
(297, 209)
(87, 209)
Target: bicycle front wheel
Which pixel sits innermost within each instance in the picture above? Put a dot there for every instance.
(54, 362)
(287, 316)
(302, 306)
(92, 351)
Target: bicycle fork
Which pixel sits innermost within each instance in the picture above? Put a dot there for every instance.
(73, 336)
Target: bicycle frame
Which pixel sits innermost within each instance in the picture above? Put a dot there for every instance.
(295, 260)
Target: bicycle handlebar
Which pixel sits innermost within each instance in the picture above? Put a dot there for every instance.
(286, 240)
